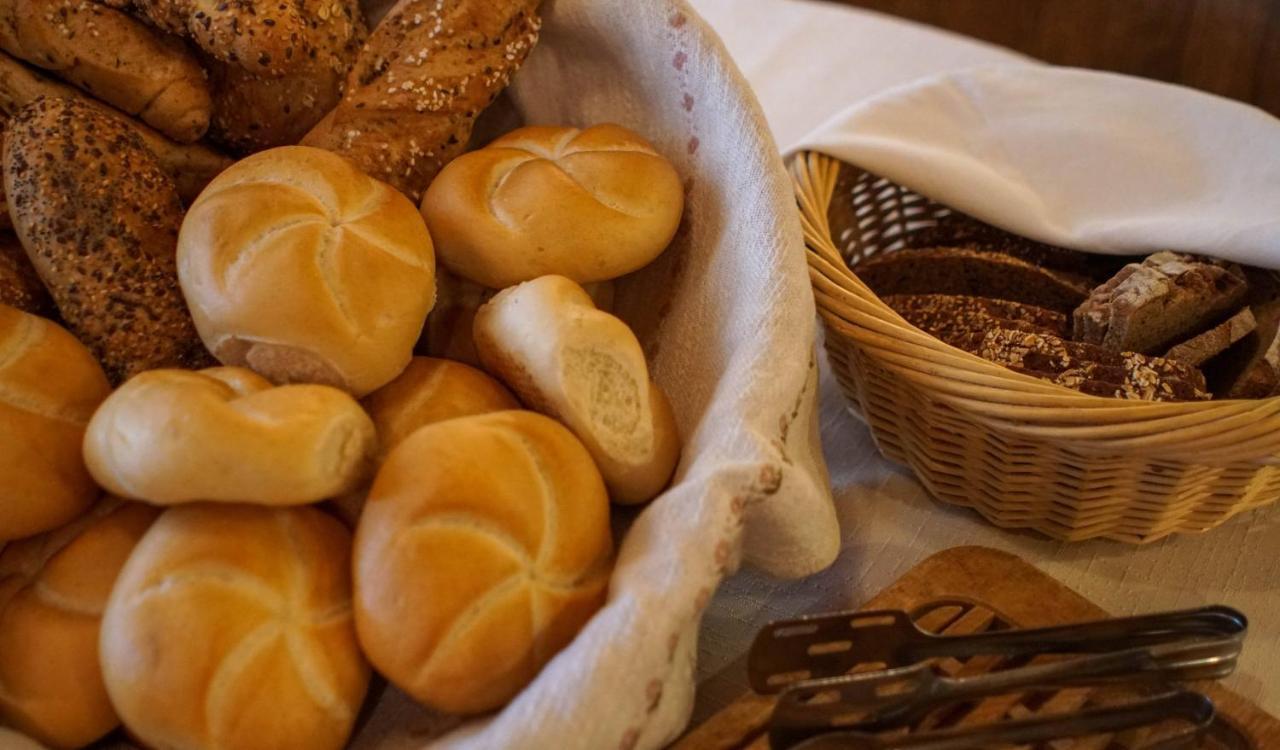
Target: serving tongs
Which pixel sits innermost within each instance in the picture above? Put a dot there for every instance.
(832, 645)
(813, 661)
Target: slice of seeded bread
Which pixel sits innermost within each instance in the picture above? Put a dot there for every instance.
(1149, 306)
(1199, 349)
(960, 320)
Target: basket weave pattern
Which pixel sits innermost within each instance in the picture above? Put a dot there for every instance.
(1021, 451)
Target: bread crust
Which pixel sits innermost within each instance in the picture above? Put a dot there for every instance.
(482, 551)
(99, 220)
(50, 385)
(114, 57)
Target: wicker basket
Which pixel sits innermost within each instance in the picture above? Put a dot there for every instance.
(1023, 452)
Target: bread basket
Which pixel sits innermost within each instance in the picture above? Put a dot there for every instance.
(1023, 452)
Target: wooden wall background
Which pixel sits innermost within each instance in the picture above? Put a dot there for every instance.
(1229, 47)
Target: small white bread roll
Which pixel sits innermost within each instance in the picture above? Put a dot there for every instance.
(299, 266)
(49, 386)
(483, 549)
(589, 204)
(226, 434)
(563, 357)
(230, 627)
(428, 391)
(53, 588)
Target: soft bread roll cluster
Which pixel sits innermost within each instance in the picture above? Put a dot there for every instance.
(300, 267)
(49, 386)
(588, 204)
(53, 588)
(428, 391)
(583, 366)
(226, 434)
(483, 549)
(230, 627)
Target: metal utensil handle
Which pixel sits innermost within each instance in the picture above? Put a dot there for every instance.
(1193, 708)
(1090, 637)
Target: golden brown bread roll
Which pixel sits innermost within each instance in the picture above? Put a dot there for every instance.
(588, 204)
(49, 387)
(563, 357)
(114, 57)
(448, 333)
(99, 220)
(428, 391)
(230, 627)
(354, 257)
(191, 165)
(483, 549)
(253, 112)
(226, 434)
(53, 588)
(428, 70)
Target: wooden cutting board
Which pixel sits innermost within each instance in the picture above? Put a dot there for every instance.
(966, 590)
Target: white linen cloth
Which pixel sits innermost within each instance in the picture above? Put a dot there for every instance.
(795, 53)
(727, 319)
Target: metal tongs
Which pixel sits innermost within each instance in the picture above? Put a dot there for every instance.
(810, 660)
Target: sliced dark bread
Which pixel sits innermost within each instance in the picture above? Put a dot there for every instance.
(1201, 348)
(1149, 306)
(966, 271)
(1092, 369)
(961, 320)
(961, 230)
(1251, 368)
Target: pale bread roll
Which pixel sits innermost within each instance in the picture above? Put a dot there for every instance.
(49, 387)
(448, 333)
(226, 434)
(563, 357)
(428, 391)
(588, 204)
(484, 548)
(300, 267)
(53, 588)
(230, 627)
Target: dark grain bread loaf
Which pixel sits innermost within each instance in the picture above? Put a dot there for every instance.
(426, 73)
(960, 230)
(99, 220)
(1148, 306)
(114, 57)
(1205, 346)
(961, 270)
(956, 318)
(1092, 369)
(20, 285)
(191, 165)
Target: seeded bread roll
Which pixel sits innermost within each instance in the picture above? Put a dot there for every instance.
(428, 70)
(114, 57)
(484, 548)
(1148, 306)
(563, 357)
(230, 627)
(962, 270)
(49, 387)
(254, 111)
(1092, 369)
(191, 165)
(53, 588)
(99, 220)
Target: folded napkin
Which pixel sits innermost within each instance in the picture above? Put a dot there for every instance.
(1089, 160)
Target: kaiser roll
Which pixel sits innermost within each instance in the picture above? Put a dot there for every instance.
(226, 434)
(429, 390)
(299, 266)
(230, 627)
(49, 386)
(589, 204)
(483, 549)
(53, 588)
(583, 366)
